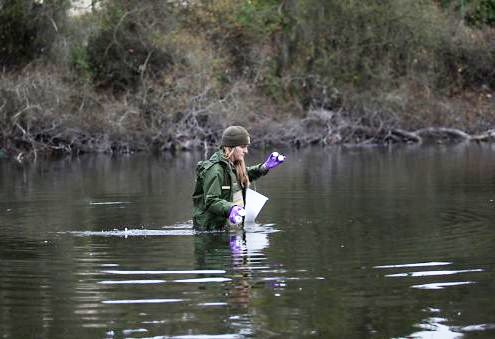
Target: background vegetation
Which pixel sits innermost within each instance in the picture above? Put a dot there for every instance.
(149, 75)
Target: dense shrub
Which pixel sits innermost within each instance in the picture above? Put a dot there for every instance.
(348, 54)
(28, 29)
(240, 30)
(470, 61)
(476, 12)
(126, 47)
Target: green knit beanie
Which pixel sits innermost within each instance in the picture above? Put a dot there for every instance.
(235, 136)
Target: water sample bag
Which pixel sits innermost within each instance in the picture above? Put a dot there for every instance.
(254, 203)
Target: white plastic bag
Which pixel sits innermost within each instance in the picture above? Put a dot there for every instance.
(254, 203)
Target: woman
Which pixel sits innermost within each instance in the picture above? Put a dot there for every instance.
(221, 182)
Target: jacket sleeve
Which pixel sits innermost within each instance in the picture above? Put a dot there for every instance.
(256, 171)
(212, 188)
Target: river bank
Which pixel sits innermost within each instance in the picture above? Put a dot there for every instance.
(42, 113)
(146, 76)
(319, 127)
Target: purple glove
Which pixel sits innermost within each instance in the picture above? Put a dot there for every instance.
(273, 160)
(236, 213)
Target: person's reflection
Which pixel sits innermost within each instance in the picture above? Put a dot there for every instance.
(227, 251)
(234, 252)
(245, 248)
(239, 293)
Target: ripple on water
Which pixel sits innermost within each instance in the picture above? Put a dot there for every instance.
(431, 273)
(142, 301)
(145, 272)
(477, 328)
(254, 232)
(440, 286)
(465, 216)
(130, 282)
(434, 327)
(422, 264)
(125, 233)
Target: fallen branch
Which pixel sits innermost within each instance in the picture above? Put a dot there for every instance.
(438, 132)
(487, 136)
(405, 135)
(443, 131)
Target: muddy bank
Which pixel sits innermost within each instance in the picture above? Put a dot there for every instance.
(320, 127)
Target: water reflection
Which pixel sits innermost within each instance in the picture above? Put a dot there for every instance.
(442, 285)
(434, 327)
(239, 292)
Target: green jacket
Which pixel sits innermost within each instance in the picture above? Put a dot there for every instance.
(213, 194)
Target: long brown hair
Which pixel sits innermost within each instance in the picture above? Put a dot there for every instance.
(240, 166)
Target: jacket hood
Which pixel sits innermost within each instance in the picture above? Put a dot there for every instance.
(219, 157)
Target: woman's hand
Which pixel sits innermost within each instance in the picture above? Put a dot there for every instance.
(236, 213)
(273, 160)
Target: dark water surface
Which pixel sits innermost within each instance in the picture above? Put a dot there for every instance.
(353, 243)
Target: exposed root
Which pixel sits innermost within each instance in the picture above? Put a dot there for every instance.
(487, 136)
(436, 134)
(327, 127)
